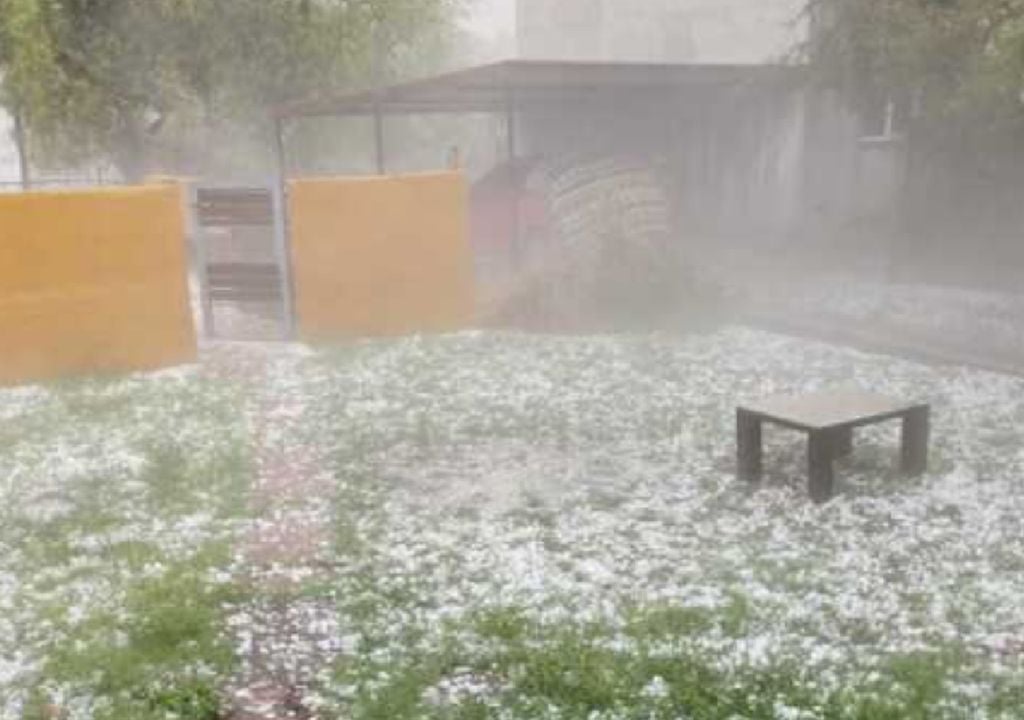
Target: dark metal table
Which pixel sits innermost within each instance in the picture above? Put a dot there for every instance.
(829, 419)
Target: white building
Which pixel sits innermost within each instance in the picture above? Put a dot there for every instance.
(683, 31)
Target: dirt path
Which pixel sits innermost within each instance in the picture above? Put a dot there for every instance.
(284, 638)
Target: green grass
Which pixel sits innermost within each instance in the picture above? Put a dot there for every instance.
(669, 622)
(577, 672)
(164, 651)
(436, 593)
(651, 667)
(117, 603)
(423, 624)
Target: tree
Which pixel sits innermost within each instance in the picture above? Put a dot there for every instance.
(143, 83)
(957, 64)
(955, 68)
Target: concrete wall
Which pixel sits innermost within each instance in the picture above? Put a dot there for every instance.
(381, 256)
(692, 31)
(738, 163)
(92, 282)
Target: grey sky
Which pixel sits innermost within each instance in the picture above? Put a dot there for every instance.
(493, 18)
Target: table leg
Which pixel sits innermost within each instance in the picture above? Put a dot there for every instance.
(843, 442)
(915, 437)
(748, 446)
(820, 454)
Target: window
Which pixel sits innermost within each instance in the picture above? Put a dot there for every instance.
(883, 118)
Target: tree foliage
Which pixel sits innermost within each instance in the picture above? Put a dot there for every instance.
(959, 63)
(165, 82)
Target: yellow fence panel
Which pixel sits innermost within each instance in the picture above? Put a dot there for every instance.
(93, 282)
(381, 256)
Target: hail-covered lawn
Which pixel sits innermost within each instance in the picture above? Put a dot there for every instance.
(119, 502)
(983, 324)
(552, 526)
(519, 527)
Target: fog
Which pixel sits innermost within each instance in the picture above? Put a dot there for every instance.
(493, 20)
(826, 204)
(518, 359)
(8, 151)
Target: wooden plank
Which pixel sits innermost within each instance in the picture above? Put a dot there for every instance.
(241, 295)
(244, 271)
(242, 282)
(820, 472)
(829, 419)
(834, 408)
(843, 442)
(233, 207)
(915, 436)
(748, 446)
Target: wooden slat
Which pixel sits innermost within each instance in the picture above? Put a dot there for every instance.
(243, 272)
(245, 295)
(233, 207)
(243, 282)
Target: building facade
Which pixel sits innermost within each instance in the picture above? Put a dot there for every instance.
(678, 31)
(750, 163)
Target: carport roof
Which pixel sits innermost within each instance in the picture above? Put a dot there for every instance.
(524, 84)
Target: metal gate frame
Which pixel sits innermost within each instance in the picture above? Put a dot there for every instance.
(280, 246)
